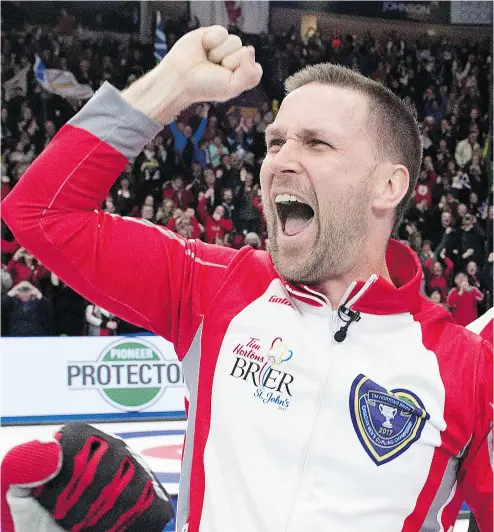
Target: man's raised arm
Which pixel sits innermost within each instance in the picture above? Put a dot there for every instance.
(144, 274)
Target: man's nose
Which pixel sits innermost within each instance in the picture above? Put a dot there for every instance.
(287, 158)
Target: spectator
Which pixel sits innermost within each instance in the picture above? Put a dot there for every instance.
(100, 322)
(248, 215)
(228, 206)
(165, 212)
(6, 280)
(150, 173)
(253, 240)
(68, 309)
(148, 213)
(185, 224)
(463, 300)
(181, 197)
(109, 206)
(215, 150)
(436, 296)
(212, 129)
(215, 226)
(124, 198)
(202, 154)
(473, 204)
(470, 243)
(186, 143)
(438, 273)
(24, 267)
(486, 280)
(26, 312)
(465, 150)
(423, 188)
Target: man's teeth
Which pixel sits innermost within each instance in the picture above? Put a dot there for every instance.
(287, 198)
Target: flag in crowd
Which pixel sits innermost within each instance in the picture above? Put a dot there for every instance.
(61, 82)
(160, 47)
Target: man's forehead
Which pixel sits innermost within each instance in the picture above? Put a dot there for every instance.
(322, 107)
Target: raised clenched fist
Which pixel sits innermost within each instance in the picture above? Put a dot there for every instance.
(207, 64)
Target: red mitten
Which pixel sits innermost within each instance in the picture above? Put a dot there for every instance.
(24, 469)
(84, 479)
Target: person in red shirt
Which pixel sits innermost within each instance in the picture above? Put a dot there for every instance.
(182, 197)
(423, 188)
(436, 296)
(24, 267)
(463, 300)
(437, 275)
(215, 226)
(185, 224)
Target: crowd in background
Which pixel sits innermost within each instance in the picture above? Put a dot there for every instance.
(200, 176)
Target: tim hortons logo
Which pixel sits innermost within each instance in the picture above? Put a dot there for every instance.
(249, 350)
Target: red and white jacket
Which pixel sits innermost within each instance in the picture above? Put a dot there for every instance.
(289, 430)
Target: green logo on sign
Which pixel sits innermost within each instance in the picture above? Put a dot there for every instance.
(130, 374)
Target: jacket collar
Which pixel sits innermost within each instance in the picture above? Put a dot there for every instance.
(376, 295)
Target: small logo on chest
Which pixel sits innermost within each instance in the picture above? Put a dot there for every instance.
(386, 423)
(264, 370)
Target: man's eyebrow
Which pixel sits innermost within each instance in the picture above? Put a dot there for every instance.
(273, 131)
(311, 133)
(303, 133)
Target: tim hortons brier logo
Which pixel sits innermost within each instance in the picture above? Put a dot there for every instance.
(263, 369)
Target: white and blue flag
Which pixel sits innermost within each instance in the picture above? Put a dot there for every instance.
(160, 46)
(61, 82)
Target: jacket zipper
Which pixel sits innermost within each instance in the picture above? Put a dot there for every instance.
(333, 327)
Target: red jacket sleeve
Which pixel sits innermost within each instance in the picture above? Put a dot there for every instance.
(143, 273)
(475, 476)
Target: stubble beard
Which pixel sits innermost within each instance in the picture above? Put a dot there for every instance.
(339, 241)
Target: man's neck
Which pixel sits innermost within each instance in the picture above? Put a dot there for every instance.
(366, 265)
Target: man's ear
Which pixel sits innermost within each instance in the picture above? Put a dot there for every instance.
(391, 187)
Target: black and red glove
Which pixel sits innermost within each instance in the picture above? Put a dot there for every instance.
(82, 480)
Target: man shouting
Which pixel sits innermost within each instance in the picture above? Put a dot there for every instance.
(325, 393)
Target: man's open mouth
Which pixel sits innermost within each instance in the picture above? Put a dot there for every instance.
(294, 213)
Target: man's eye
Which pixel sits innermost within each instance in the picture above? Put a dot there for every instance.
(275, 143)
(318, 142)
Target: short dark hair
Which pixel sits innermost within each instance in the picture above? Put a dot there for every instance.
(395, 129)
